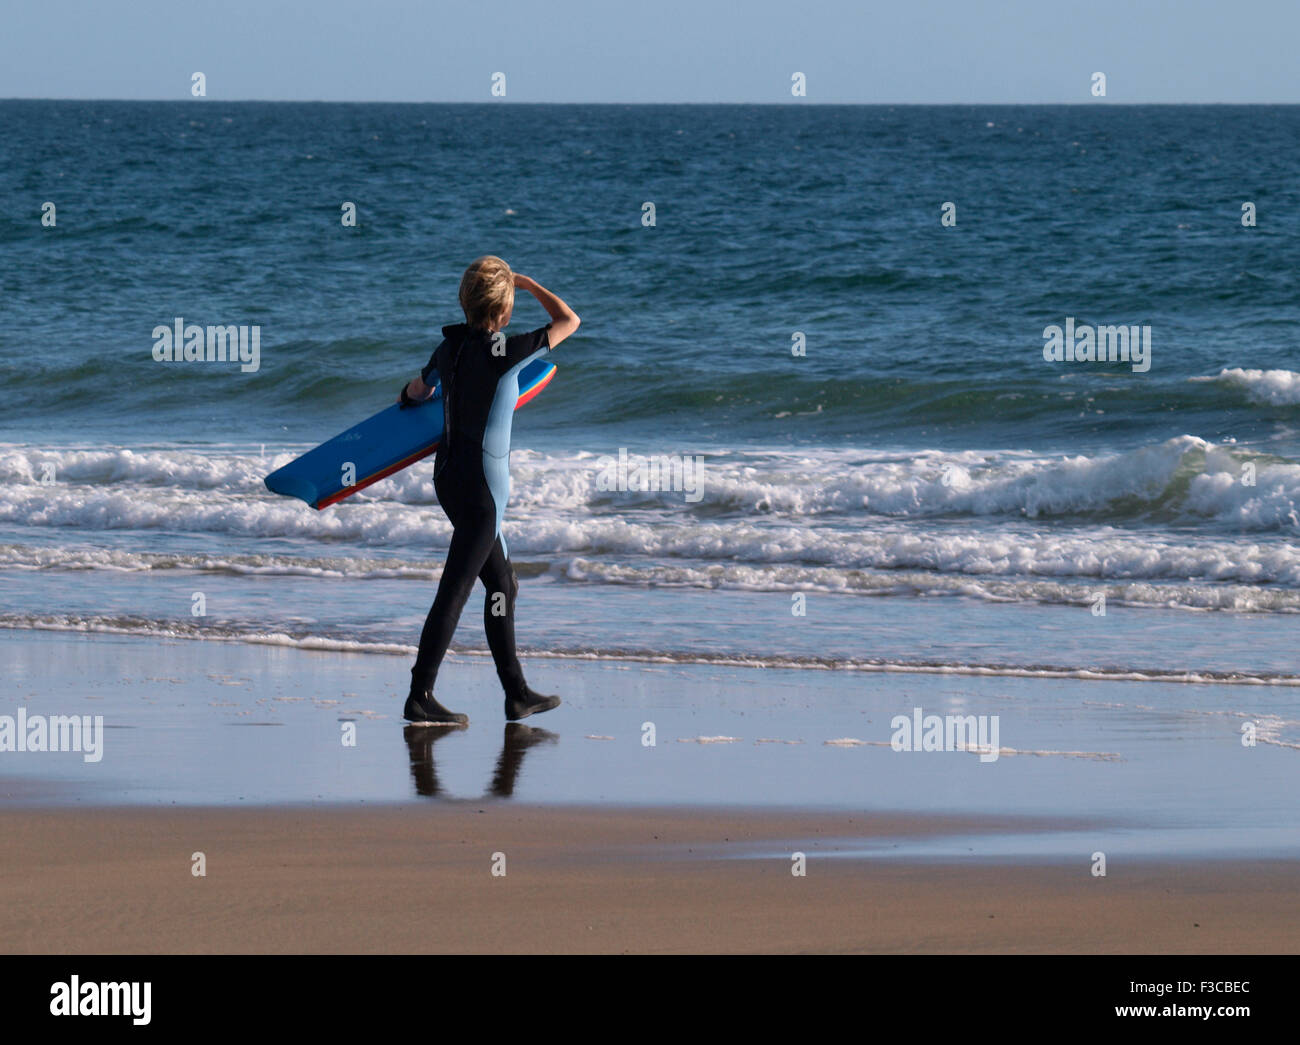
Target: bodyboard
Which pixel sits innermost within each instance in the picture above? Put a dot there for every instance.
(393, 439)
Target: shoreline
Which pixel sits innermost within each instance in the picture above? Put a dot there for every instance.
(577, 655)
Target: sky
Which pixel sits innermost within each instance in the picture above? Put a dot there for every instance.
(865, 52)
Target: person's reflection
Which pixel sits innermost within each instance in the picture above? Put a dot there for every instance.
(419, 742)
(518, 738)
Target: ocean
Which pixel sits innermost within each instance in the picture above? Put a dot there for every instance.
(894, 477)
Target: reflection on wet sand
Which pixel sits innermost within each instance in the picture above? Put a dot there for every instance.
(517, 739)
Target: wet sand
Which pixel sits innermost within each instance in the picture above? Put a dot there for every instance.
(418, 878)
(1139, 770)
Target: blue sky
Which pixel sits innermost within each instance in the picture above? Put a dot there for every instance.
(894, 51)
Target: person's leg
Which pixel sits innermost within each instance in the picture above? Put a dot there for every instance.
(502, 586)
(498, 577)
(471, 541)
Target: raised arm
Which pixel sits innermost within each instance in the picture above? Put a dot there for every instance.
(564, 321)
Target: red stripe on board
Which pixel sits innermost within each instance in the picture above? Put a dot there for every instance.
(384, 473)
(527, 397)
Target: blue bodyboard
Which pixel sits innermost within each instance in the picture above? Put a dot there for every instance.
(379, 446)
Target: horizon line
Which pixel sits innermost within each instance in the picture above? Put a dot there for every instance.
(1097, 103)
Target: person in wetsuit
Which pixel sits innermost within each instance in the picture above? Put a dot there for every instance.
(477, 367)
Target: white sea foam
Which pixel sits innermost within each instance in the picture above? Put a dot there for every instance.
(1096, 756)
(137, 489)
(180, 629)
(1275, 387)
(1133, 570)
(833, 520)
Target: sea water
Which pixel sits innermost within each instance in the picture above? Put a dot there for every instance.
(839, 317)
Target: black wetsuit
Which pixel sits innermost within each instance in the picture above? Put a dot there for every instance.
(479, 379)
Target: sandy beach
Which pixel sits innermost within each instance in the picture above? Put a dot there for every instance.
(419, 879)
(395, 843)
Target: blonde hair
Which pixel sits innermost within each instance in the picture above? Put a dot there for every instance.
(487, 291)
